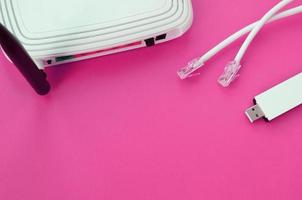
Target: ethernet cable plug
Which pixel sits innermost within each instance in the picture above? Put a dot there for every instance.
(277, 101)
(230, 74)
(190, 69)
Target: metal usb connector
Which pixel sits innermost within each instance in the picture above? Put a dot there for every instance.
(254, 113)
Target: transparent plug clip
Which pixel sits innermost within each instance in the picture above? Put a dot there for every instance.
(230, 74)
(190, 69)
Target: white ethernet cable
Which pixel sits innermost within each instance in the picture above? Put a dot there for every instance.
(232, 69)
(197, 63)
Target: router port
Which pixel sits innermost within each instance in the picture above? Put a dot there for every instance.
(150, 42)
(63, 58)
(161, 37)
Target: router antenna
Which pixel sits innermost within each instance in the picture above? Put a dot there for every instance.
(20, 57)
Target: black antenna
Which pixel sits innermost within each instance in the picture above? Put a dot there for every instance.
(19, 56)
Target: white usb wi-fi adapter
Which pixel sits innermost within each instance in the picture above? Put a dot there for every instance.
(278, 100)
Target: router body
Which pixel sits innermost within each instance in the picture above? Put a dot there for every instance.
(61, 31)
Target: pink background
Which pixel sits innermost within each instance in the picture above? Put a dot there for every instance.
(125, 127)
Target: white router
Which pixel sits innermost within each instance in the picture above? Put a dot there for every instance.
(61, 31)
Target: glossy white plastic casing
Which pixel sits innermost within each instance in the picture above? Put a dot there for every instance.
(50, 29)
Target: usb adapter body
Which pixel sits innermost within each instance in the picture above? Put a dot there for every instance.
(278, 100)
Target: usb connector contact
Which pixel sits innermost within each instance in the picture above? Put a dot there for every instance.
(277, 101)
(254, 113)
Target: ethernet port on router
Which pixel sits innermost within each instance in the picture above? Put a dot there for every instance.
(150, 42)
